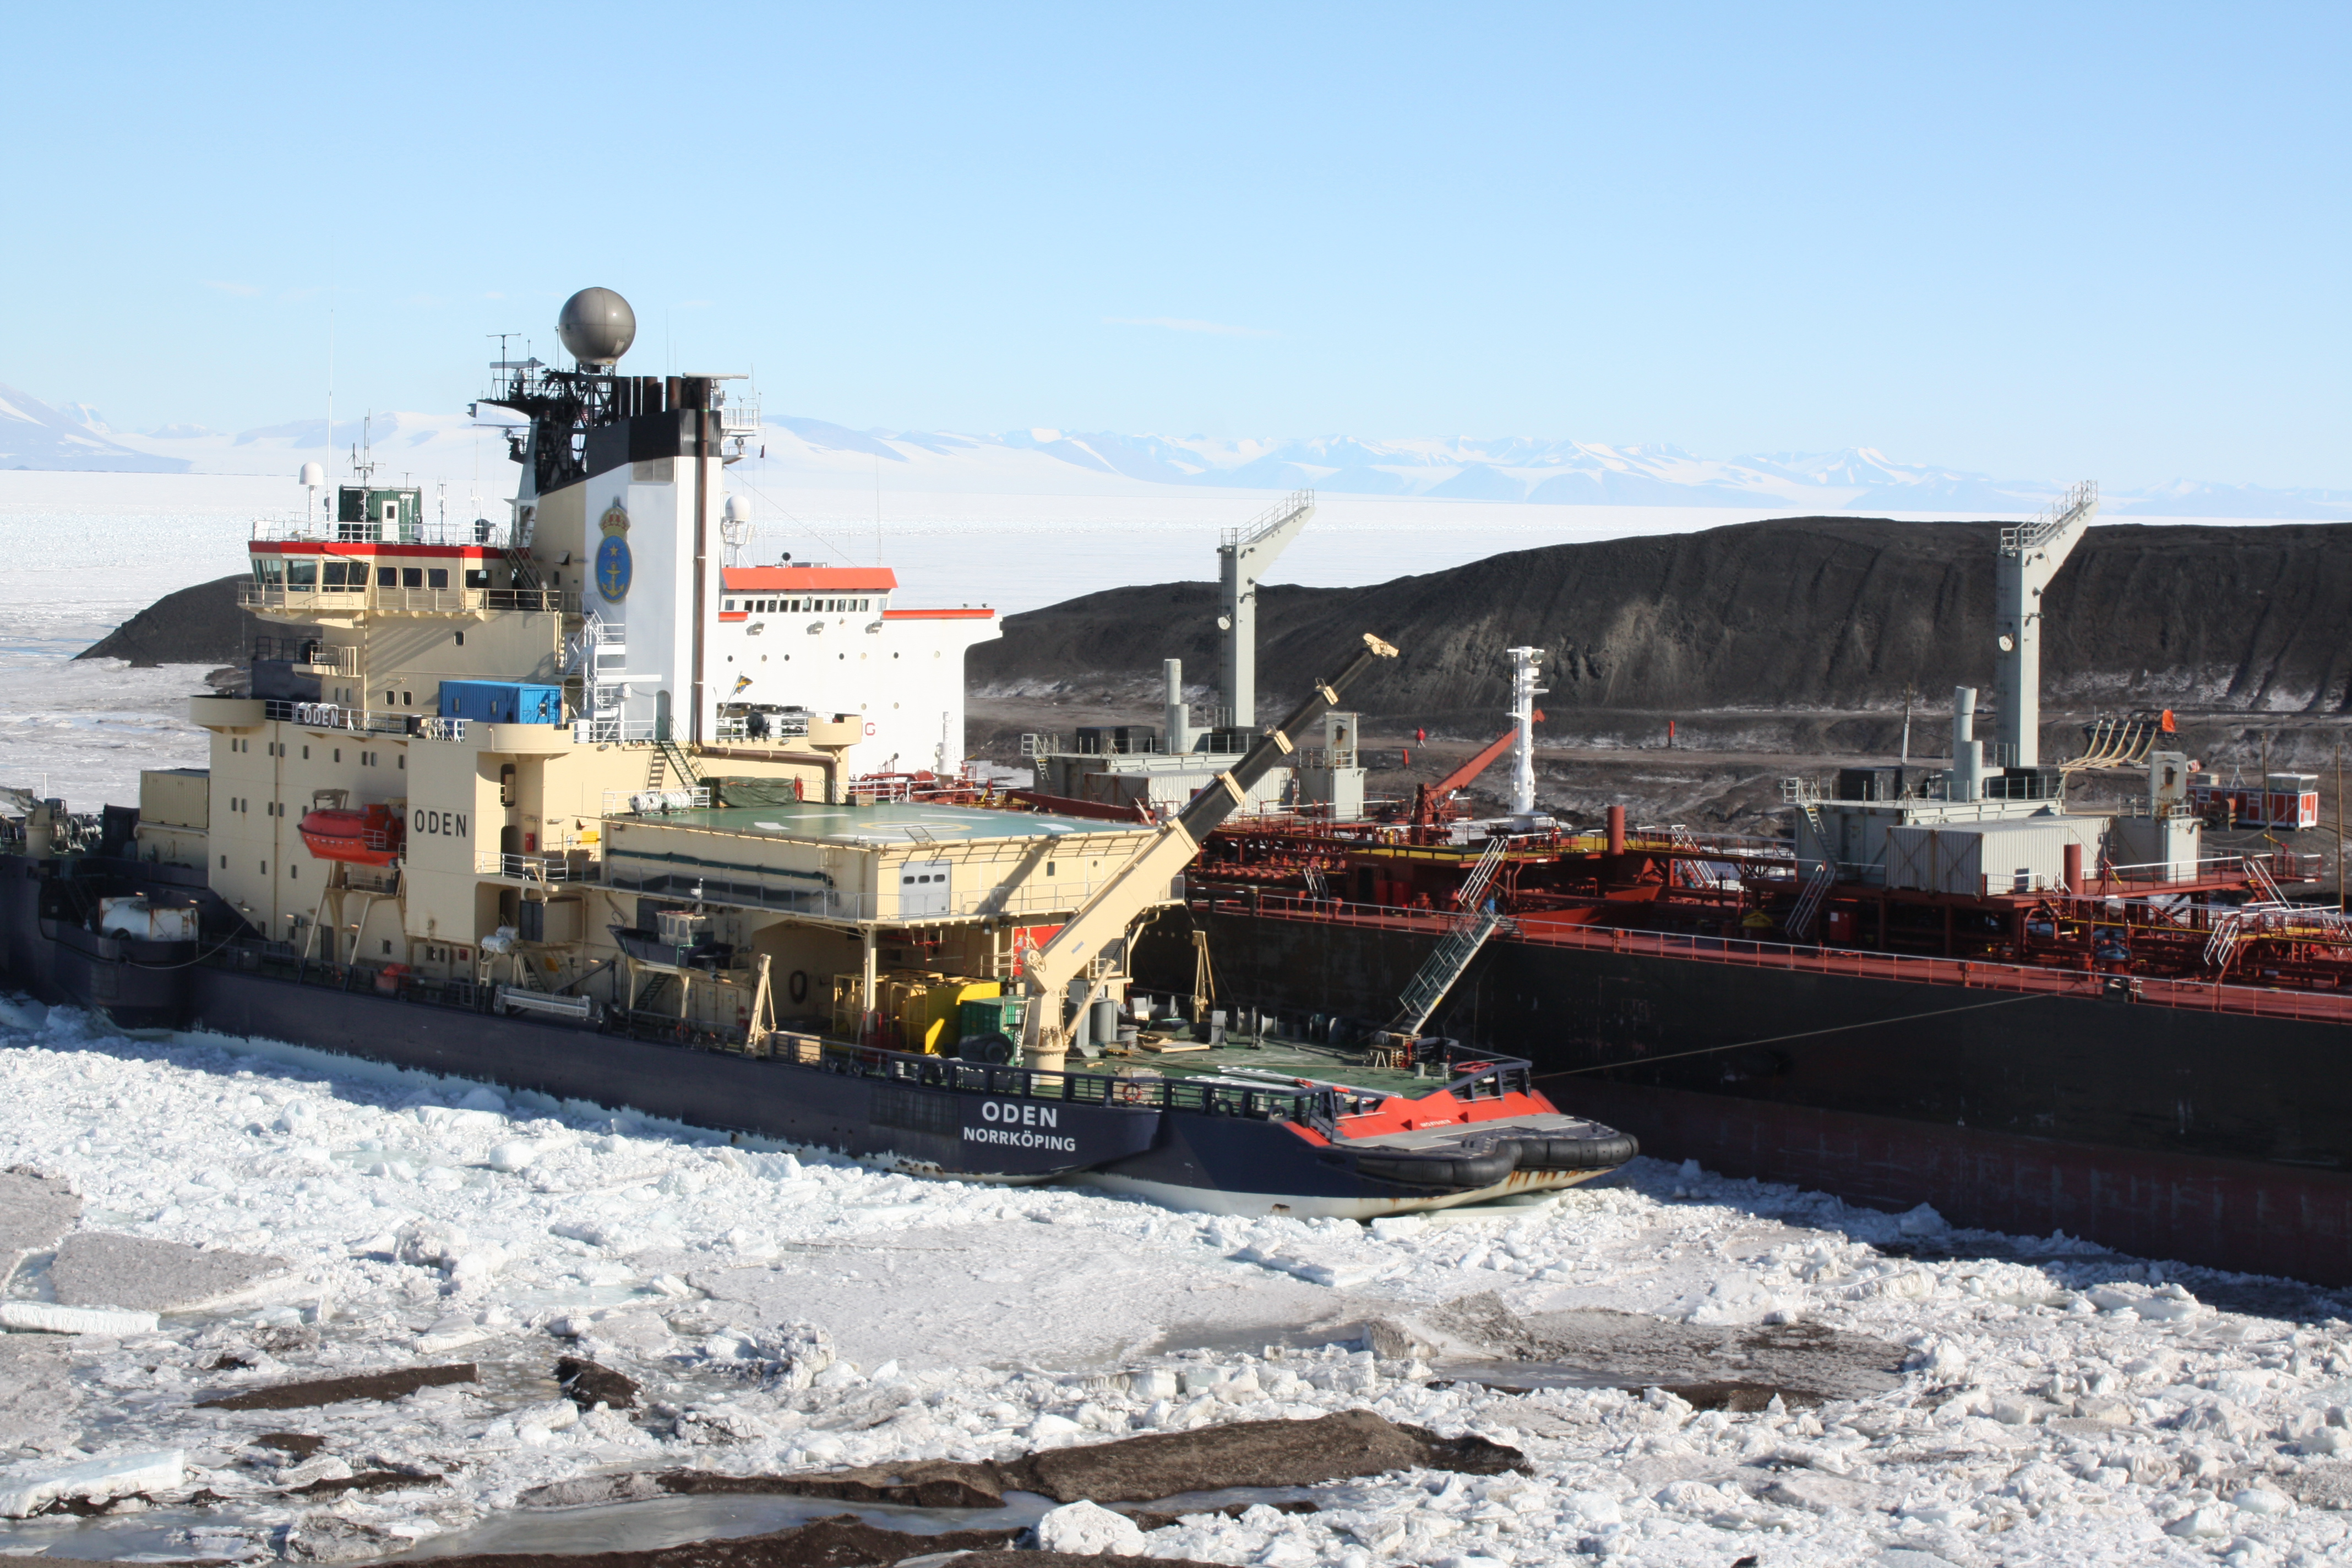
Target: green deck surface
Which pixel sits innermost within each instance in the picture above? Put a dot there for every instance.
(1277, 1063)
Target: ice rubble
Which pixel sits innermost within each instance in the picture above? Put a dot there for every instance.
(785, 1312)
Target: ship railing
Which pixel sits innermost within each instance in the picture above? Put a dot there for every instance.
(563, 866)
(316, 531)
(2284, 865)
(739, 416)
(375, 600)
(1266, 521)
(606, 731)
(333, 716)
(433, 727)
(2019, 538)
(779, 727)
(1208, 1096)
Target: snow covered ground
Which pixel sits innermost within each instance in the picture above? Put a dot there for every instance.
(2035, 1401)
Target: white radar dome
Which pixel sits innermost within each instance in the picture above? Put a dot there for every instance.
(312, 475)
(739, 508)
(597, 326)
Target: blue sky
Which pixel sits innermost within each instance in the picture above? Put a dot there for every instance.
(2039, 241)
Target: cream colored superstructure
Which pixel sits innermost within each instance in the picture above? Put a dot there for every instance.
(523, 846)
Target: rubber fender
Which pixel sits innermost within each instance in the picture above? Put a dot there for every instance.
(1577, 1154)
(1460, 1173)
(796, 986)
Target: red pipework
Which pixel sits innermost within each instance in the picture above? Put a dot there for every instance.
(1616, 830)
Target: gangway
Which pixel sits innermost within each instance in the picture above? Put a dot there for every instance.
(1455, 950)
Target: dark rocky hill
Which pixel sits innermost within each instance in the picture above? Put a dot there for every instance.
(1829, 613)
(1810, 613)
(195, 625)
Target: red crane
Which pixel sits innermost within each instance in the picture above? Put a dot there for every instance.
(1430, 801)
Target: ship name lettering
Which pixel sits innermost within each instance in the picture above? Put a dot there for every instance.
(1024, 1115)
(442, 824)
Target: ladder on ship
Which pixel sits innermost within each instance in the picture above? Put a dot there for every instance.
(1456, 950)
(669, 757)
(1693, 872)
(1809, 901)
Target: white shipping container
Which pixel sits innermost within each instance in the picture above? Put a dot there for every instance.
(2024, 856)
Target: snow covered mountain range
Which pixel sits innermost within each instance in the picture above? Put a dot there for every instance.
(813, 453)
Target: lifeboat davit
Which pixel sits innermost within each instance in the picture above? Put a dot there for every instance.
(367, 838)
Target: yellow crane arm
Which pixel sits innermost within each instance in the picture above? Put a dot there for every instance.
(1147, 878)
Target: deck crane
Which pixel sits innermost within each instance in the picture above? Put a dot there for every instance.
(1429, 800)
(1099, 930)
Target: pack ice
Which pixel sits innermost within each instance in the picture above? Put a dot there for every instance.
(377, 1272)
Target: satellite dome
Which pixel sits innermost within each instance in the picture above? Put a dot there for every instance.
(597, 326)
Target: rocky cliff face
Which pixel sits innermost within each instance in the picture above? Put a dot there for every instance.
(1821, 613)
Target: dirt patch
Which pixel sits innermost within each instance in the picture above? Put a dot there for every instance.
(1156, 1465)
(302, 1444)
(35, 1212)
(927, 1483)
(365, 1481)
(588, 1384)
(1255, 1454)
(336, 1390)
(1066, 1560)
(141, 1274)
(2328, 1484)
(844, 1540)
(1741, 1398)
(1715, 1368)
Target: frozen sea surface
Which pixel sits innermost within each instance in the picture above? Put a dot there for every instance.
(2045, 1401)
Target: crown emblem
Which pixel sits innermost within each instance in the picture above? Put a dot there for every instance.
(615, 520)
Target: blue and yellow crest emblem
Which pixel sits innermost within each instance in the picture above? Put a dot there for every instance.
(614, 567)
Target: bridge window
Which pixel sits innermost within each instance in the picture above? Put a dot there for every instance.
(437, 576)
(477, 578)
(387, 576)
(412, 576)
(302, 575)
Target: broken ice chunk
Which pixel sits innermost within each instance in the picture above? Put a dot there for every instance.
(24, 1493)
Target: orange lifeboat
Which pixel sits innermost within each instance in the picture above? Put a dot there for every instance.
(368, 837)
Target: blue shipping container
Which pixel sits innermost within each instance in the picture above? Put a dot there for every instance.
(502, 703)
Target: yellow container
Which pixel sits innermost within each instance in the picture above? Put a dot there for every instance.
(940, 1022)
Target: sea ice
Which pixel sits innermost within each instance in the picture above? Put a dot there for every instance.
(2009, 1399)
(1085, 1530)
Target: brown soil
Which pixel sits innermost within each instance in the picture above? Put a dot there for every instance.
(1146, 1468)
(365, 1481)
(335, 1390)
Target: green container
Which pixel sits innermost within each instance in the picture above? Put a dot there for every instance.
(990, 1016)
